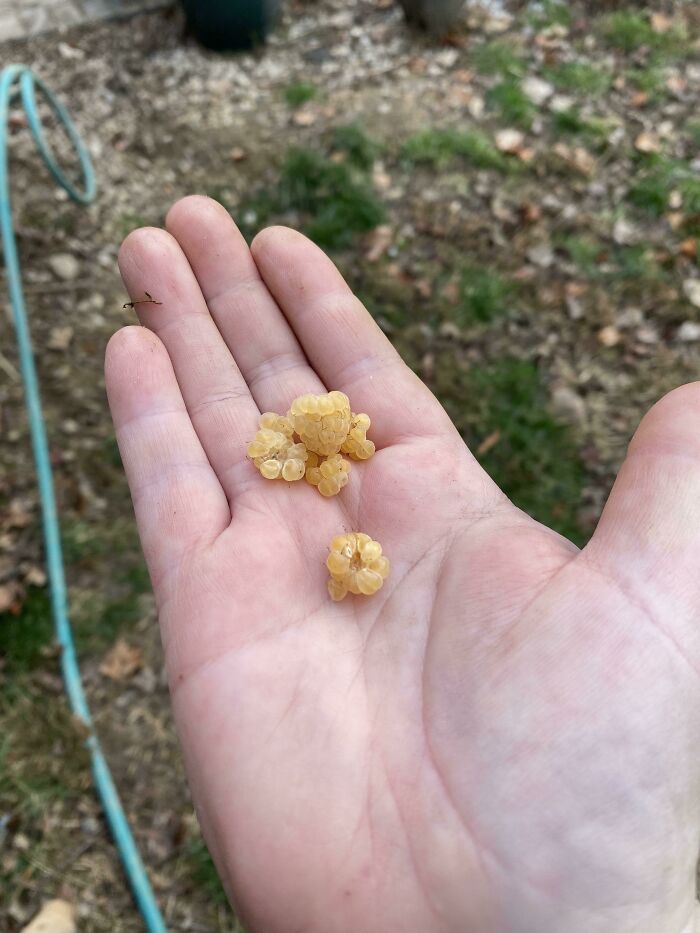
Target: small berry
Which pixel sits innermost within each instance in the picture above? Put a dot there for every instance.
(274, 452)
(356, 565)
(356, 443)
(321, 421)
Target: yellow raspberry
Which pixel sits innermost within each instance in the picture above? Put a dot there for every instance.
(330, 476)
(274, 452)
(356, 565)
(321, 421)
(356, 443)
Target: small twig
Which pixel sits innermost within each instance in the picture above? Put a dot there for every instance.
(148, 300)
(8, 368)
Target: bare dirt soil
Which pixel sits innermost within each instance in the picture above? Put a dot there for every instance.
(519, 206)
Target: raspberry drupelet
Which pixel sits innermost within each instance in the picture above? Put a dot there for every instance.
(356, 565)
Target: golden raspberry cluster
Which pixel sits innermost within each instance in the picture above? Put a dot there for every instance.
(324, 425)
(356, 565)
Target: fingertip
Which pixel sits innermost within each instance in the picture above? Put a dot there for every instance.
(197, 209)
(134, 356)
(672, 423)
(143, 246)
(270, 240)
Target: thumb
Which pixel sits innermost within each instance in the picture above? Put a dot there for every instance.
(648, 537)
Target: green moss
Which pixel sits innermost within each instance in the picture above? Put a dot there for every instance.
(512, 103)
(438, 147)
(299, 92)
(498, 58)
(579, 77)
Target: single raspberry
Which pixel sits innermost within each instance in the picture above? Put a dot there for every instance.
(356, 443)
(321, 421)
(329, 475)
(274, 452)
(356, 565)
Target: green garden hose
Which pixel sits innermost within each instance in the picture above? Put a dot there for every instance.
(18, 80)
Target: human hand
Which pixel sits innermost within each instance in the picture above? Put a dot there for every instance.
(505, 737)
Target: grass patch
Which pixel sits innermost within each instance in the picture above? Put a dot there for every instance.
(571, 123)
(652, 187)
(25, 637)
(534, 460)
(512, 103)
(551, 13)
(584, 252)
(693, 130)
(628, 31)
(438, 147)
(42, 755)
(299, 92)
(357, 147)
(203, 871)
(579, 77)
(650, 81)
(337, 202)
(498, 58)
(484, 296)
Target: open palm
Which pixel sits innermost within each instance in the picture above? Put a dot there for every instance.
(505, 737)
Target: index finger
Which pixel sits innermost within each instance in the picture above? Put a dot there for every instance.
(344, 344)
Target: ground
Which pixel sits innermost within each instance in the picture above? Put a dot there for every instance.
(544, 282)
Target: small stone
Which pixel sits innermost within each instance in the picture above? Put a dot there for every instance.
(64, 266)
(624, 232)
(691, 287)
(568, 404)
(509, 141)
(541, 255)
(238, 154)
(537, 90)
(561, 102)
(609, 336)
(688, 332)
(60, 338)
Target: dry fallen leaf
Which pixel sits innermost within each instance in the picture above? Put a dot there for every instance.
(379, 242)
(660, 22)
(576, 157)
(689, 248)
(304, 117)
(639, 99)
(488, 443)
(238, 154)
(121, 661)
(647, 141)
(7, 597)
(54, 917)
